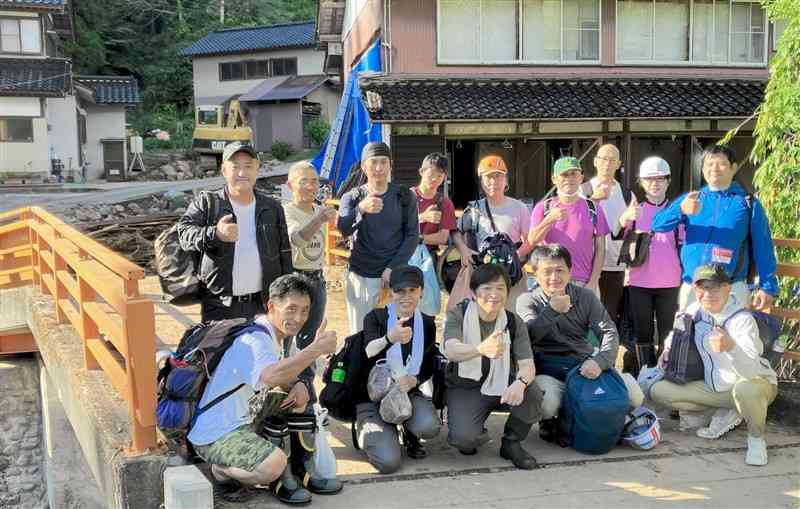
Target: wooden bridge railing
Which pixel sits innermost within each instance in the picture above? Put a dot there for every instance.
(96, 291)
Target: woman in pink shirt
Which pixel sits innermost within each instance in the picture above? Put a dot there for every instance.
(654, 285)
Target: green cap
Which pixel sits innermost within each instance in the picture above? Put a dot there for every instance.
(566, 164)
(711, 272)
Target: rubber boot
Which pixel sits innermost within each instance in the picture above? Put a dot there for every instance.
(302, 463)
(511, 448)
(414, 448)
(645, 355)
(287, 488)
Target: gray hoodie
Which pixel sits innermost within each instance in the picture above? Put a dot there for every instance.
(567, 334)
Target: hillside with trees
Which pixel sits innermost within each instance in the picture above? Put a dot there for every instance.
(143, 38)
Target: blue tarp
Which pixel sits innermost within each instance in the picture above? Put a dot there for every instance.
(355, 131)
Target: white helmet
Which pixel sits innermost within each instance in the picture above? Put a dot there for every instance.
(654, 166)
(642, 430)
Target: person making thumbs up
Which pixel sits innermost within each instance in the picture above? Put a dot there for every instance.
(437, 216)
(242, 236)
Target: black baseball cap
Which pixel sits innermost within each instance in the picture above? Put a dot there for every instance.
(233, 148)
(406, 276)
(711, 272)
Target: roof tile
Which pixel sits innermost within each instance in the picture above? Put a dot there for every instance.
(426, 98)
(49, 77)
(112, 89)
(249, 39)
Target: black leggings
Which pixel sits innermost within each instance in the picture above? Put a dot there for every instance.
(644, 304)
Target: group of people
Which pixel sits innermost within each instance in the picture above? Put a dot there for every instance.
(508, 345)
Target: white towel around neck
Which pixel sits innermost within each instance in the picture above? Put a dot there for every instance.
(497, 380)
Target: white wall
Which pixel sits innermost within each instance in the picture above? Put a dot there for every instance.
(25, 156)
(102, 122)
(62, 120)
(18, 157)
(208, 89)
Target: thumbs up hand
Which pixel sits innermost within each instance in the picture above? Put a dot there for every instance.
(227, 229)
(632, 213)
(431, 215)
(690, 205)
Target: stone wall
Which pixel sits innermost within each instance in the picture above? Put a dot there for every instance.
(22, 483)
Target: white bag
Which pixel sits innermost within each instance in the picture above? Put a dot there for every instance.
(324, 459)
(379, 381)
(396, 406)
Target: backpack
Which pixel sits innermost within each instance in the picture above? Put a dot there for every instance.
(345, 379)
(769, 331)
(684, 363)
(182, 380)
(592, 414)
(500, 249)
(178, 269)
(747, 245)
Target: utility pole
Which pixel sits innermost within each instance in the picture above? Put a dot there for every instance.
(222, 12)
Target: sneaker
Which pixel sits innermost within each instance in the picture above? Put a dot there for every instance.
(722, 422)
(756, 451)
(691, 420)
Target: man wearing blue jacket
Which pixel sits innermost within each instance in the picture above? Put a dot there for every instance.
(724, 226)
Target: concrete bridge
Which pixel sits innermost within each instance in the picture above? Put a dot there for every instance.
(96, 321)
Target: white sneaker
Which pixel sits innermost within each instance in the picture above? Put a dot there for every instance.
(756, 451)
(692, 420)
(722, 422)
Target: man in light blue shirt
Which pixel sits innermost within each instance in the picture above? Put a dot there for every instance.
(264, 364)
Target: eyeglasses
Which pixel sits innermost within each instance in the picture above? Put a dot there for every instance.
(708, 286)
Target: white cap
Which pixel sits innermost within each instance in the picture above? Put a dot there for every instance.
(653, 166)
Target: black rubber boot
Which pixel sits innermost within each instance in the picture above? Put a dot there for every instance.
(511, 448)
(302, 463)
(287, 488)
(646, 355)
(414, 448)
(630, 361)
(548, 430)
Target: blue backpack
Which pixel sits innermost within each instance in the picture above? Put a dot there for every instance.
(592, 414)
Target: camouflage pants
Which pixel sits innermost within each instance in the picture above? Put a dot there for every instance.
(243, 447)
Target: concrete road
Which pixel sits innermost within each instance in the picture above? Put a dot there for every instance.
(704, 480)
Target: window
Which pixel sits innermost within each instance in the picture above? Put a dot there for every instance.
(229, 71)
(207, 117)
(20, 36)
(518, 31)
(284, 66)
(16, 129)
(257, 69)
(691, 31)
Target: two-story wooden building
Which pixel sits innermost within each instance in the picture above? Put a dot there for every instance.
(49, 118)
(534, 79)
(274, 71)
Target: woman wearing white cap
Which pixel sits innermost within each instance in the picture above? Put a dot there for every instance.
(654, 284)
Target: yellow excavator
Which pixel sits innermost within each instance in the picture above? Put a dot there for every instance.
(214, 128)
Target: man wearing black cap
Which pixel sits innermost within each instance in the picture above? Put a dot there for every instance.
(406, 339)
(738, 382)
(242, 236)
(382, 218)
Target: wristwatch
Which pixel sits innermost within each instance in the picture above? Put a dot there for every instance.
(525, 382)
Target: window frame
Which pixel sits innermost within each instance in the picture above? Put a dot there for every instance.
(19, 21)
(521, 42)
(690, 62)
(32, 138)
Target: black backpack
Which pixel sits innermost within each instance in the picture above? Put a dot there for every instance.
(177, 269)
(684, 363)
(497, 247)
(345, 379)
(182, 381)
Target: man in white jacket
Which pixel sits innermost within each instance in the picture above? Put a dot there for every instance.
(739, 382)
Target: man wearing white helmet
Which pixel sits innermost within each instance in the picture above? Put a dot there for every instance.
(655, 274)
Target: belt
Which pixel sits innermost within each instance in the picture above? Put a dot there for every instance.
(247, 298)
(312, 274)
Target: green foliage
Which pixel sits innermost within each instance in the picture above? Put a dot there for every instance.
(317, 130)
(144, 38)
(281, 150)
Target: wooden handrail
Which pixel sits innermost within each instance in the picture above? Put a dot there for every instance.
(96, 291)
